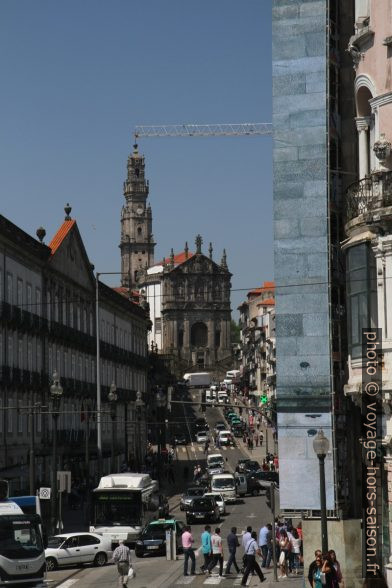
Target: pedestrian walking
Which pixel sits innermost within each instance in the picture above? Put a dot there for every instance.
(122, 557)
(284, 556)
(187, 547)
(261, 438)
(251, 550)
(336, 565)
(217, 552)
(265, 544)
(256, 440)
(246, 536)
(295, 550)
(232, 543)
(206, 547)
(313, 566)
(276, 463)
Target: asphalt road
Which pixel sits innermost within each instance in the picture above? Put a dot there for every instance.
(156, 572)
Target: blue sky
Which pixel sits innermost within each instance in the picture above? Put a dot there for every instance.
(77, 76)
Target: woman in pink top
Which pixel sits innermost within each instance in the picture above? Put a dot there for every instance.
(187, 542)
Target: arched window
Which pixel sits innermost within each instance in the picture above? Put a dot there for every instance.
(199, 333)
(365, 127)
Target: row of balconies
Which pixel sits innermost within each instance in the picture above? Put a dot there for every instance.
(26, 321)
(24, 379)
(40, 381)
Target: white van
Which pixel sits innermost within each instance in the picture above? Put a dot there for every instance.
(210, 396)
(215, 464)
(226, 438)
(225, 485)
(223, 397)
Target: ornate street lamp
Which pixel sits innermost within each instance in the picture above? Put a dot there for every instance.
(56, 392)
(112, 397)
(139, 404)
(321, 447)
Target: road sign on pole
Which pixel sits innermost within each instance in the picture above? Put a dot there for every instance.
(44, 493)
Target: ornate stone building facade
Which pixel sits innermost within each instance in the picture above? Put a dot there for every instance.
(137, 242)
(189, 298)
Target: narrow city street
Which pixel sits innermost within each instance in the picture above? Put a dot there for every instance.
(252, 510)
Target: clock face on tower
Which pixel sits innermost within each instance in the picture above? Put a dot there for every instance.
(139, 210)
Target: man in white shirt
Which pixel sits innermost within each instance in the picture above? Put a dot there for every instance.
(246, 536)
(217, 552)
(251, 550)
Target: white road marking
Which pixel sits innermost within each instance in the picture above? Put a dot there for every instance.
(183, 449)
(237, 582)
(185, 580)
(213, 580)
(232, 447)
(68, 583)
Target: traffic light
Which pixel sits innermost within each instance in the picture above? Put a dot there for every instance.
(263, 399)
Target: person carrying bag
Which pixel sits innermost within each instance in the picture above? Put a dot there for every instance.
(251, 550)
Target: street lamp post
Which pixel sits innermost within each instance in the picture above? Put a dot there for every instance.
(112, 397)
(139, 409)
(321, 446)
(56, 391)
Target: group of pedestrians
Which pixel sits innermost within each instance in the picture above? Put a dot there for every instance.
(212, 550)
(325, 570)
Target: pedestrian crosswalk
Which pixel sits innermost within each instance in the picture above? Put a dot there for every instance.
(213, 580)
(200, 448)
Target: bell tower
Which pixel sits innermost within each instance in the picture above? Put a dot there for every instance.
(137, 241)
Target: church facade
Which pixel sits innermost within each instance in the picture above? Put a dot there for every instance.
(188, 293)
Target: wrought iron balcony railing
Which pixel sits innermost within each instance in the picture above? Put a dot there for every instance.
(370, 194)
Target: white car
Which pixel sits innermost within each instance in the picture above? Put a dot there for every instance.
(70, 549)
(219, 500)
(201, 437)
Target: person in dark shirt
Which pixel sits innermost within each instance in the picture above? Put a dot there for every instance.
(233, 543)
(313, 566)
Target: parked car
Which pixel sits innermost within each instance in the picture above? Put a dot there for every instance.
(203, 509)
(201, 436)
(219, 500)
(152, 539)
(189, 495)
(77, 548)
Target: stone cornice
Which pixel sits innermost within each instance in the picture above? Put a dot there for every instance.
(380, 100)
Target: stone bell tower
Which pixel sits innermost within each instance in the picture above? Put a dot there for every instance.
(137, 241)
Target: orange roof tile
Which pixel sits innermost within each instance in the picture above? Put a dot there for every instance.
(264, 288)
(178, 258)
(267, 302)
(125, 292)
(61, 234)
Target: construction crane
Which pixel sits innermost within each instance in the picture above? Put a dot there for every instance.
(212, 130)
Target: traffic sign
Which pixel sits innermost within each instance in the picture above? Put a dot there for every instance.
(44, 493)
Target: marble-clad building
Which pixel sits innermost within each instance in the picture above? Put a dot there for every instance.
(314, 160)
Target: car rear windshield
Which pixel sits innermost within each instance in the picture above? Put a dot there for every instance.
(195, 492)
(203, 504)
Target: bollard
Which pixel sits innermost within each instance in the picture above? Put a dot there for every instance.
(174, 543)
(168, 544)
